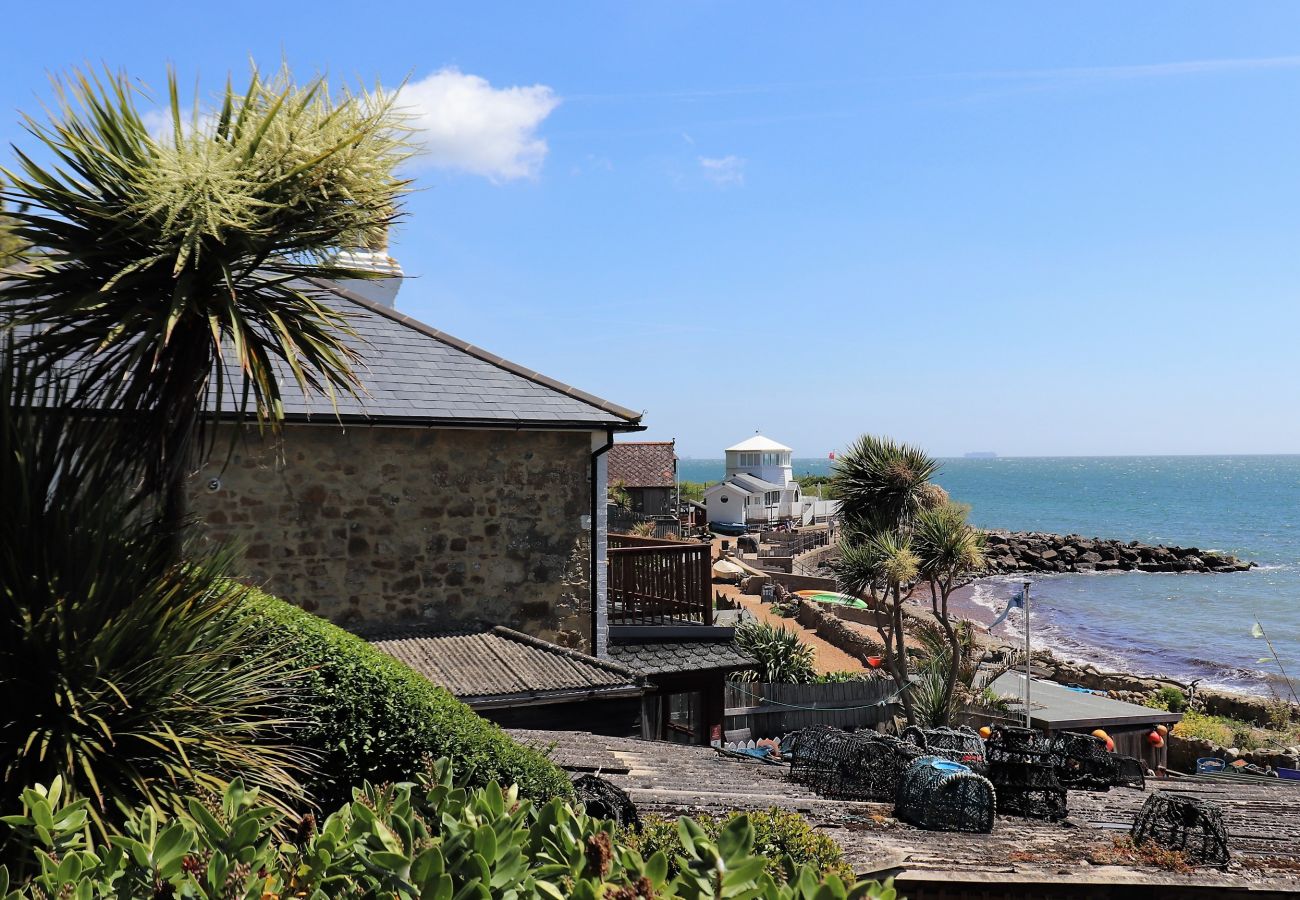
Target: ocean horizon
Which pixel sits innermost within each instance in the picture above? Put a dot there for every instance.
(1183, 626)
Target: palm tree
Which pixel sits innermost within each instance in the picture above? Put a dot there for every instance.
(11, 246)
(950, 551)
(884, 487)
(173, 272)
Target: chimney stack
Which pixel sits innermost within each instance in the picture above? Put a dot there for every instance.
(381, 289)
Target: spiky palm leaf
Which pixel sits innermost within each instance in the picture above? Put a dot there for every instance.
(947, 547)
(875, 563)
(782, 657)
(881, 484)
(157, 257)
(122, 671)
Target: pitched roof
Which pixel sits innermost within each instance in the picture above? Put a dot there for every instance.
(501, 667)
(415, 373)
(643, 464)
(668, 657)
(753, 483)
(758, 442)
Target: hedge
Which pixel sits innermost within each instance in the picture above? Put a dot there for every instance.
(373, 719)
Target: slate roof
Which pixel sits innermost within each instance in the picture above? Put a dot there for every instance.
(498, 666)
(753, 483)
(643, 464)
(414, 373)
(669, 657)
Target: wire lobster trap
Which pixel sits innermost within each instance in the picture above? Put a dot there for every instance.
(960, 745)
(938, 794)
(1189, 825)
(1083, 763)
(850, 766)
(1022, 768)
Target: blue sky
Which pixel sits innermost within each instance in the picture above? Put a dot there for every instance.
(1032, 228)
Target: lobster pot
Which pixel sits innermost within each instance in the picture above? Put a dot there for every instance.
(843, 766)
(1022, 767)
(960, 745)
(1083, 763)
(940, 795)
(1190, 825)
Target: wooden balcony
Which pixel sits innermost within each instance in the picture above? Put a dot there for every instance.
(656, 582)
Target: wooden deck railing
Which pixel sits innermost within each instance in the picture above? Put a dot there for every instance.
(653, 582)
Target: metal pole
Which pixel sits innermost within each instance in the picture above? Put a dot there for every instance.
(1027, 656)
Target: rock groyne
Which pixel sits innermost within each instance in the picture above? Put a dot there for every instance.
(1034, 551)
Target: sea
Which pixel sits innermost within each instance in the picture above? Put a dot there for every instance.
(1182, 626)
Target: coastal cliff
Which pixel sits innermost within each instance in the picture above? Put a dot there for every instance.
(1034, 551)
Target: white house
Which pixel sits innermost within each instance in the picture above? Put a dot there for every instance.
(759, 485)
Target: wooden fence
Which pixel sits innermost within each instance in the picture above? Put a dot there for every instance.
(655, 582)
(755, 710)
(624, 520)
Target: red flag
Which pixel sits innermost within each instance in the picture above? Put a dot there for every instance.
(832, 455)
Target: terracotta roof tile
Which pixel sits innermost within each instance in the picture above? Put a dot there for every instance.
(643, 464)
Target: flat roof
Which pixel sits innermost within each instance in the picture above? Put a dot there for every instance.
(1056, 706)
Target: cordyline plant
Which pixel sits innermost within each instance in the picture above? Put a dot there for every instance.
(782, 657)
(900, 531)
(171, 273)
(124, 673)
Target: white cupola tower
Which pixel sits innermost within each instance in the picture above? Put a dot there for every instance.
(763, 458)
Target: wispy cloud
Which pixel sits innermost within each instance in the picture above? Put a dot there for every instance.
(724, 171)
(1145, 70)
(464, 123)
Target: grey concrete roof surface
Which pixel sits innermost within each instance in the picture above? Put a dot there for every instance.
(492, 665)
(1056, 706)
(669, 657)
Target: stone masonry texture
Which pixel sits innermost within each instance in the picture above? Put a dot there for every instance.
(371, 525)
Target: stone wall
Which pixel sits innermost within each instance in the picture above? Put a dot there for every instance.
(366, 526)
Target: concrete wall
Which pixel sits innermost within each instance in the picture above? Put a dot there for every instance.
(378, 525)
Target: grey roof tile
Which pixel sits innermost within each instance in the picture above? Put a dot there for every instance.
(666, 657)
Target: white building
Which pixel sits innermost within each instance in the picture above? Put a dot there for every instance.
(759, 485)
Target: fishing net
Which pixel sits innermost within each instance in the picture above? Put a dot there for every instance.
(1022, 767)
(1083, 763)
(962, 745)
(940, 795)
(1187, 824)
(603, 800)
(844, 766)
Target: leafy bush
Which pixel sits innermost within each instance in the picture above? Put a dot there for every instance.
(373, 719)
(1218, 730)
(125, 672)
(1167, 697)
(438, 840)
(782, 657)
(777, 834)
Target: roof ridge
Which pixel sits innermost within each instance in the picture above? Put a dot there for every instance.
(569, 652)
(478, 352)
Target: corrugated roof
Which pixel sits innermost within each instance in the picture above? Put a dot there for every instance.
(499, 666)
(758, 442)
(1056, 706)
(643, 464)
(667, 657)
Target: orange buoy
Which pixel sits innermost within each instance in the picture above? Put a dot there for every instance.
(1110, 744)
(986, 732)
(1155, 739)
(1099, 733)
(1162, 730)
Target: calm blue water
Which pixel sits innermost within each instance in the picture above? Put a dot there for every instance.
(1184, 626)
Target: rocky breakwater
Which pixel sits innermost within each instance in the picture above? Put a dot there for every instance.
(1033, 551)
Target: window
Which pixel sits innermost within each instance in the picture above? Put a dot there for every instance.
(724, 497)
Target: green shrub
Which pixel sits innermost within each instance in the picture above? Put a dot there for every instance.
(400, 841)
(1168, 697)
(782, 657)
(373, 719)
(122, 671)
(778, 833)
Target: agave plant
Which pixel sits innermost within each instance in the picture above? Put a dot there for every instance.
(161, 263)
(782, 657)
(124, 672)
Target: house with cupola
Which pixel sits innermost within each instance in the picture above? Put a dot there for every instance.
(759, 485)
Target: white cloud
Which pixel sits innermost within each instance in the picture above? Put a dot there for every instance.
(724, 171)
(462, 122)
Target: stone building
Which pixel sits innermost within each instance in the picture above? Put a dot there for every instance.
(459, 488)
